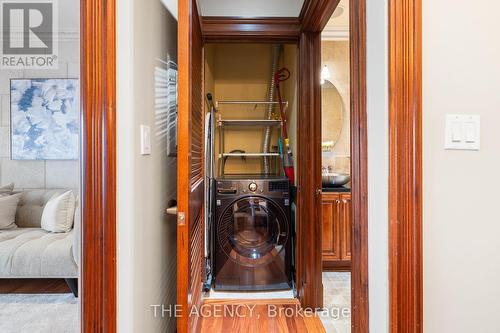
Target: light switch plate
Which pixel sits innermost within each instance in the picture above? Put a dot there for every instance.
(463, 132)
(145, 140)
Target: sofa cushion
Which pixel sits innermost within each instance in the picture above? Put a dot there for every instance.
(8, 207)
(30, 208)
(59, 212)
(34, 252)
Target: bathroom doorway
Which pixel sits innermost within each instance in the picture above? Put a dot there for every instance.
(336, 171)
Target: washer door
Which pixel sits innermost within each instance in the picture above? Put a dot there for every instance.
(252, 231)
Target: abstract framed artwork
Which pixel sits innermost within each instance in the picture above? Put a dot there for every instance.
(45, 119)
(172, 77)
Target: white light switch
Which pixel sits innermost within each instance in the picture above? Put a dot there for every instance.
(470, 131)
(145, 140)
(462, 132)
(456, 131)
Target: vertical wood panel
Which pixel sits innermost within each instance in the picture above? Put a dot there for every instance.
(405, 174)
(309, 261)
(359, 167)
(98, 93)
(190, 171)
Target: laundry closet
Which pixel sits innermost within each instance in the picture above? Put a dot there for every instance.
(250, 94)
(237, 72)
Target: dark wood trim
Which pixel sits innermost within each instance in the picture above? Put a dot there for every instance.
(359, 167)
(241, 29)
(98, 96)
(309, 208)
(405, 168)
(315, 14)
(313, 18)
(338, 265)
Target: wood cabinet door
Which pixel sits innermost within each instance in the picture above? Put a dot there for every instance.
(331, 226)
(346, 226)
(190, 178)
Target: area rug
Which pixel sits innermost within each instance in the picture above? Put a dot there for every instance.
(39, 313)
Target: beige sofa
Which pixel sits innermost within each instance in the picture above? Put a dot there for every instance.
(31, 252)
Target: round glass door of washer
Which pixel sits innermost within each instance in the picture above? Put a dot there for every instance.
(253, 231)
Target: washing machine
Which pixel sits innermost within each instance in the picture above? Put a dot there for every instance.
(253, 234)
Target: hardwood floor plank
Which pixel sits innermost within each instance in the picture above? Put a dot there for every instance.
(33, 286)
(257, 316)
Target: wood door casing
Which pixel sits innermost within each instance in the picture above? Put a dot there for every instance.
(251, 29)
(98, 165)
(330, 204)
(359, 167)
(190, 183)
(405, 167)
(308, 259)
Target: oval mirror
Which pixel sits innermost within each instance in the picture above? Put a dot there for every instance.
(332, 112)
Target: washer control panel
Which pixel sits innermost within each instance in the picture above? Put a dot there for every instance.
(278, 188)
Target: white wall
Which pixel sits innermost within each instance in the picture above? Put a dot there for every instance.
(377, 113)
(461, 74)
(254, 8)
(146, 37)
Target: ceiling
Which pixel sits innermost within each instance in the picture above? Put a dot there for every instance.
(251, 8)
(337, 27)
(340, 17)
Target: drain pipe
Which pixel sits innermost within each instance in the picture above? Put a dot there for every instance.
(270, 98)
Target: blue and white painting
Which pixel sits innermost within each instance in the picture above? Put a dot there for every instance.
(44, 119)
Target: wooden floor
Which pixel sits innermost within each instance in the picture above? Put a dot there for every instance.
(33, 286)
(257, 316)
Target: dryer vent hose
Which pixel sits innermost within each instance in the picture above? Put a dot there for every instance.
(277, 49)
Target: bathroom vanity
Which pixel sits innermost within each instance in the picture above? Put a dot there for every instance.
(336, 247)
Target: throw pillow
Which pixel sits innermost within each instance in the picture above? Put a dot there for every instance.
(6, 190)
(8, 207)
(58, 213)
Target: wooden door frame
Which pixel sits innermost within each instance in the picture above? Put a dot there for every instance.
(309, 155)
(405, 166)
(98, 95)
(359, 168)
(98, 165)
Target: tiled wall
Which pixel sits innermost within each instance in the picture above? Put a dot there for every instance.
(38, 174)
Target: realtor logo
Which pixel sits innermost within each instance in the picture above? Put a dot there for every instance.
(29, 34)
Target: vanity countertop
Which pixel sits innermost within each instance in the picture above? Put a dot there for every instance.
(341, 189)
